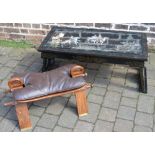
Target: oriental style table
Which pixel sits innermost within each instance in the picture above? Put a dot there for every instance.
(117, 47)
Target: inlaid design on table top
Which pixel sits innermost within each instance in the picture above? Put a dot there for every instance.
(85, 39)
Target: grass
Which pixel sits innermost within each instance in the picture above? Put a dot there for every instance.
(151, 48)
(15, 44)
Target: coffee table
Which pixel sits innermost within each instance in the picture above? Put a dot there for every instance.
(117, 47)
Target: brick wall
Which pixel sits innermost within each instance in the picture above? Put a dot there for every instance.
(36, 32)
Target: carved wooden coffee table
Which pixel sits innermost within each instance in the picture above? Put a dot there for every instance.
(117, 47)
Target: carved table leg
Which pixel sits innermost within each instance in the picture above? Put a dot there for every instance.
(81, 102)
(50, 63)
(143, 79)
(45, 64)
(23, 116)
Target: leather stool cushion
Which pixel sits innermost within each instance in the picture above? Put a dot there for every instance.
(50, 82)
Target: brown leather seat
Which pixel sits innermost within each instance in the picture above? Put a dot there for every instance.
(41, 84)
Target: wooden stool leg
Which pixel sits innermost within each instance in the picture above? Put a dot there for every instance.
(23, 116)
(81, 101)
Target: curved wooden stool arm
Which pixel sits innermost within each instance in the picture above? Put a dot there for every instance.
(77, 71)
(15, 83)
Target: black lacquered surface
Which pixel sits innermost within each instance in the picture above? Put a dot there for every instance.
(96, 42)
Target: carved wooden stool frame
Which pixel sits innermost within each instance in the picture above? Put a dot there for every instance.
(22, 108)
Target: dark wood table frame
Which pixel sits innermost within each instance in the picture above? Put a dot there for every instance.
(133, 60)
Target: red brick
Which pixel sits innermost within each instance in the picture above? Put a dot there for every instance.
(106, 25)
(121, 26)
(138, 28)
(35, 25)
(16, 36)
(151, 35)
(45, 26)
(3, 36)
(41, 32)
(150, 24)
(11, 30)
(6, 24)
(153, 41)
(66, 23)
(34, 39)
(152, 29)
(17, 24)
(24, 31)
(84, 24)
(1, 29)
(26, 25)
(47, 31)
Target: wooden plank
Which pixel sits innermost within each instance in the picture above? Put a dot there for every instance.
(81, 101)
(23, 116)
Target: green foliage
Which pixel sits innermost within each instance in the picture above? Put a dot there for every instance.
(151, 48)
(15, 44)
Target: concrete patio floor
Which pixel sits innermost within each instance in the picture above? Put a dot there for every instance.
(115, 104)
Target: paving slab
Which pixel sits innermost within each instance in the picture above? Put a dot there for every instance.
(152, 59)
(4, 71)
(103, 126)
(19, 69)
(62, 129)
(36, 110)
(93, 112)
(7, 125)
(132, 93)
(104, 73)
(12, 63)
(151, 90)
(101, 82)
(139, 128)
(4, 84)
(3, 109)
(48, 121)
(107, 114)
(144, 119)
(114, 101)
(93, 66)
(130, 102)
(42, 103)
(98, 91)
(68, 118)
(4, 59)
(119, 72)
(57, 105)
(83, 126)
(123, 125)
(41, 129)
(126, 113)
(12, 114)
(146, 104)
(95, 98)
(151, 74)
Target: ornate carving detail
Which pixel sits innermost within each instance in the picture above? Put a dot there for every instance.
(77, 71)
(15, 83)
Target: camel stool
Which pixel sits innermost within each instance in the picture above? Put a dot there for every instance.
(30, 87)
